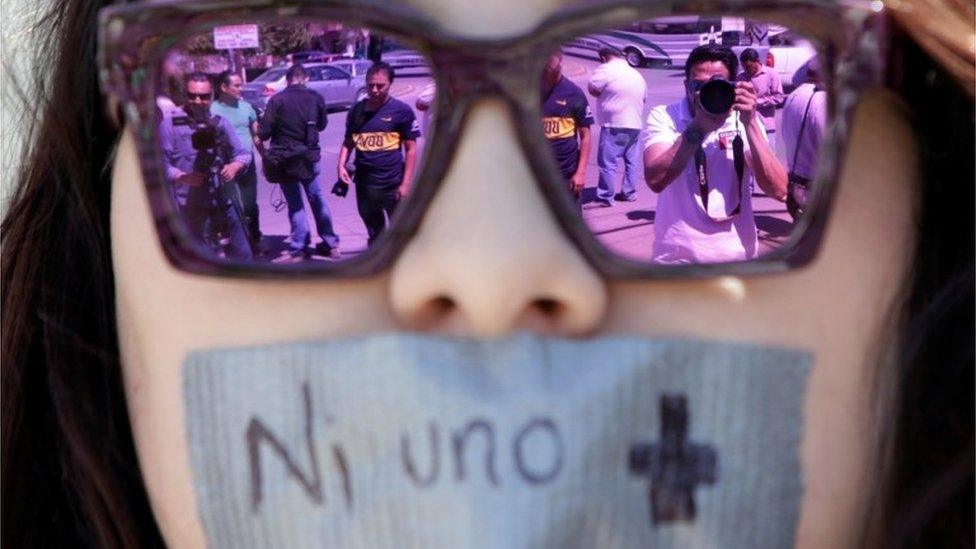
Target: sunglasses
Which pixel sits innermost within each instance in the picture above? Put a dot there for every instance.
(200, 96)
(818, 56)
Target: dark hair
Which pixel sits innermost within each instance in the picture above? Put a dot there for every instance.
(748, 54)
(70, 474)
(224, 78)
(712, 52)
(69, 468)
(197, 77)
(924, 483)
(607, 52)
(296, 72)
(380, 67)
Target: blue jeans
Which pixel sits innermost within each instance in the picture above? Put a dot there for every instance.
(300, 237)
(616, 143)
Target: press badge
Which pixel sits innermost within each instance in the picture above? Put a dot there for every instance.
(406, 441)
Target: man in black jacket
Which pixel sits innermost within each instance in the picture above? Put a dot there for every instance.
(292, 122)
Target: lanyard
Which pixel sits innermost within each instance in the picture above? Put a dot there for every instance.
(701, 167)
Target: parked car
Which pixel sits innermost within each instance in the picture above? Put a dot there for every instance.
(258, 91)
(315, 56)
(638, 50)
(340, 83)
(401, 57)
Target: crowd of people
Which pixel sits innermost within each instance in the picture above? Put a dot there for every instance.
(703, 155)
(209, 146)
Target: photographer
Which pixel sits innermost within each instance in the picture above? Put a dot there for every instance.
(700, 154)
(203, 155)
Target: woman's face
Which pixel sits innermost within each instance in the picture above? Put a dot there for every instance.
(488, 278)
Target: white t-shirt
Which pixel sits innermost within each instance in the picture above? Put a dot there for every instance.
(622, 91)
(426, 97)
(683, 233)
(813, 131)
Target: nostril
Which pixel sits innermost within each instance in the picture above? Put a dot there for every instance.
(441, 305)
(550, 308)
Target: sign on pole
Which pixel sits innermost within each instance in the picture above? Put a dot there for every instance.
(236, 37)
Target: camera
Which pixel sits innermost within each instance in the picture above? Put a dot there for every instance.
(340, 189)
(717, 95)
(207, 139)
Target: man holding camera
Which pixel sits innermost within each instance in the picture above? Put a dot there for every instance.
(292, 122)
(203, 155)
(696, 158)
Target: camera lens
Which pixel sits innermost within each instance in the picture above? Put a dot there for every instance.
(717, 95)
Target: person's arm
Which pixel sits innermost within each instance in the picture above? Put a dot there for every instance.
(668, 152)
(323, 117)
(579, 178)
(426, 98)
(169, 150)
(598, 82)
(770, 174)
(409, 132)
(242, 153)
(344, 152)
(409, 161)
(253, 127)
(347, 145)
(267, 121)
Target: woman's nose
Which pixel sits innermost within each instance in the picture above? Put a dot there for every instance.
(489, 257)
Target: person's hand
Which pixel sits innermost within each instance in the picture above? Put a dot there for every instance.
(402, 190)
(257, 142)
(230, 171)
(745, 101)
(577, 182)
(192, 179)
(344, 175)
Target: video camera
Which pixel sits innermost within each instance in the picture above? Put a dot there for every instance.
(208, 140)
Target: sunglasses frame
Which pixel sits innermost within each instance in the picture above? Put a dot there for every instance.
(850, 37)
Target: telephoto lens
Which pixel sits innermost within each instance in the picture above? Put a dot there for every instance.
(717, 95)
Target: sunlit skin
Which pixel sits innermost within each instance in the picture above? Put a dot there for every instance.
(465, 273)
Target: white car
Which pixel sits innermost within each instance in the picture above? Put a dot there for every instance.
(638, 49)
(789, 55)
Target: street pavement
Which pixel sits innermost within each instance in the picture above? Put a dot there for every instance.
(627, 227)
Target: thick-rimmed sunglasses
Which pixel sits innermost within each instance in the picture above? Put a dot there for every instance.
(228, 187)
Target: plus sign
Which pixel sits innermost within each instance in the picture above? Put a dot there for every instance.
(674, 466)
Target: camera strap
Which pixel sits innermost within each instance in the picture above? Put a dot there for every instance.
(803, 125)
(701, 168)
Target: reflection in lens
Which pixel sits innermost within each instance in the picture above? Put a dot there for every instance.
(290, 143)
(706, 138)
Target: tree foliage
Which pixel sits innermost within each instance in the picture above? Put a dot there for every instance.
(275, 39)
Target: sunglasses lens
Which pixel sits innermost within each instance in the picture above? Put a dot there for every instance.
(688, 140)
(313, 134)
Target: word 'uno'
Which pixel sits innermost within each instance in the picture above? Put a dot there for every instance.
(535, 472)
